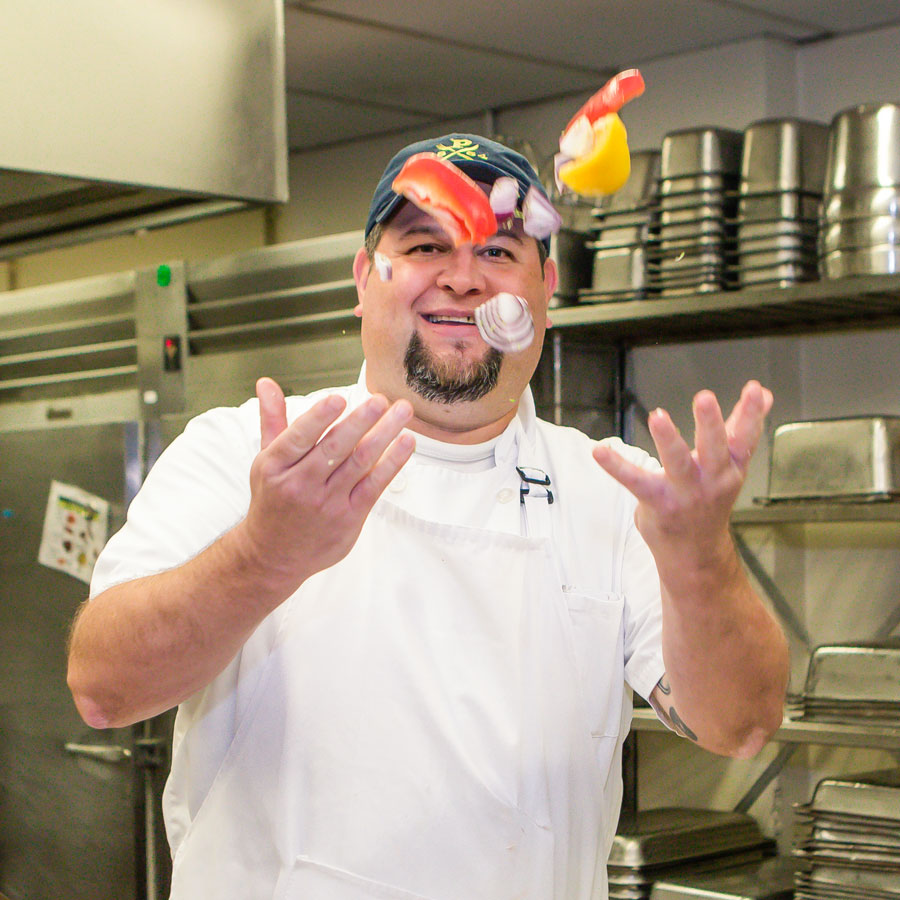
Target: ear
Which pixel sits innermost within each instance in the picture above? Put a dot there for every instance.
(361, 269)
(551, 279)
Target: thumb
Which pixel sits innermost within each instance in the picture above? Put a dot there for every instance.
(272, 411)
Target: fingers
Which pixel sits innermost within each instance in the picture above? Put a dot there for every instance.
(370, 488)
(710, 434)
(745, 424)
(272, 411)
(353, 449)
(292, 444)
(671, 448)
(639, 481)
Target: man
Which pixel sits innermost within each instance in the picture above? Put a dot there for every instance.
(403, 674)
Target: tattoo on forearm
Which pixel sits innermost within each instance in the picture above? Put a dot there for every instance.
(672, 717)
(680, 724)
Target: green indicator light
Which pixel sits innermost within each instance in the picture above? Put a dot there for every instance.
(163, 276)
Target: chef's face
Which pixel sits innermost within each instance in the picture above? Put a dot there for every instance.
(418, 330)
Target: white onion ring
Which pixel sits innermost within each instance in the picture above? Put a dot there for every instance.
(505, 323)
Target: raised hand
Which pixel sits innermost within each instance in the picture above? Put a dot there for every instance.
(314, 481)
(683, 510)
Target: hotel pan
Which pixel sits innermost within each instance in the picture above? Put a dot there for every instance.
(751, 229)
(784, 154)
(843, 458)
(769, 879)
(691, 184)
(880, 259)
(676, 834)
(695, 198)
(855, 672)
(618, 270)
(852, 233)
(703, 149)
(861, 203)
(639, 187)
(868, 794)
(864, 147)
(778, 205)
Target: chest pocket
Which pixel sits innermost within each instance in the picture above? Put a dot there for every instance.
(598, 636)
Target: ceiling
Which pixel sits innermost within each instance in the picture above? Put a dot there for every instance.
(360, 68)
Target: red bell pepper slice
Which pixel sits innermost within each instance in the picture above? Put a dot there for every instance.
(612, 96)
(445, 192)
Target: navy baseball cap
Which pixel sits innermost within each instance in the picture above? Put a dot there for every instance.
(480, 158)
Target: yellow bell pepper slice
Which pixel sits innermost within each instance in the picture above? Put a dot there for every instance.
(606, 167)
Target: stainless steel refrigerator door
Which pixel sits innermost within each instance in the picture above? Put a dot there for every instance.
(67, 818)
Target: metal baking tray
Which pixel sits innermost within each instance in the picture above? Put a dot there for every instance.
(848, 458)
(869, 794)
(860, 672)
(676, 834)
(770, 879)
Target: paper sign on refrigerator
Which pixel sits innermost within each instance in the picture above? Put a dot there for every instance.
(75, 530)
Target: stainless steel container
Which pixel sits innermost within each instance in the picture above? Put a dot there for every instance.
(638, 190)
(864, 148)
(573, 262)
(853, 233)
(861, 203)
(855, 672)
(768, 879)
(780, 205)
(848, 458)
(618, 270)
(784, 154)
(704, 149)
(881, 259)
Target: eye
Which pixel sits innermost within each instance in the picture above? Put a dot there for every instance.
(497, 252)
(426, 249)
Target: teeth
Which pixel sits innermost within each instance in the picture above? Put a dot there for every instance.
(460, 320)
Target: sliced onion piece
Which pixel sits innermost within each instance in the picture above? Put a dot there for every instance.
(504, 197)
(558, 162)
(577, 140)
(383, 265)
(505, 323)
(539, 217)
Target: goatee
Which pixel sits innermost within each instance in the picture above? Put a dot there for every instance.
(443, 382)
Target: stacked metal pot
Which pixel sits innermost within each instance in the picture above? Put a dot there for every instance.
(859, 227)
(623, 223)
(694, 245)
(782, 171)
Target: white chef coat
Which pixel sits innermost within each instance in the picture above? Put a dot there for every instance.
(200, 488)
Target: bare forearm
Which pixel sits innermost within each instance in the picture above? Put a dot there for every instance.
(726, 659)
(144, 646)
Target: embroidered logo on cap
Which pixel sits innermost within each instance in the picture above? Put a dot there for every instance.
(460, 147)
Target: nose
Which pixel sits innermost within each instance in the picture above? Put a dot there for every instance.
(461, 273)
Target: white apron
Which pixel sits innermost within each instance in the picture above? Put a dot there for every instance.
(436, 721)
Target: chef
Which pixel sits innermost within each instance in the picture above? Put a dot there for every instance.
(403, 619)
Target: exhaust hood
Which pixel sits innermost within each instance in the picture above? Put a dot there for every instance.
(127, 115)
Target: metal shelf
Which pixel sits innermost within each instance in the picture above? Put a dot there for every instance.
(799, 732)
(857, 302)
(803, 511)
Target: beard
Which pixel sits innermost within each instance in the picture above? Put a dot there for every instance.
(446, 382)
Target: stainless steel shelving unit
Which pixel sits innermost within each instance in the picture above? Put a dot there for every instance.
(871, 301)
(857, 303)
